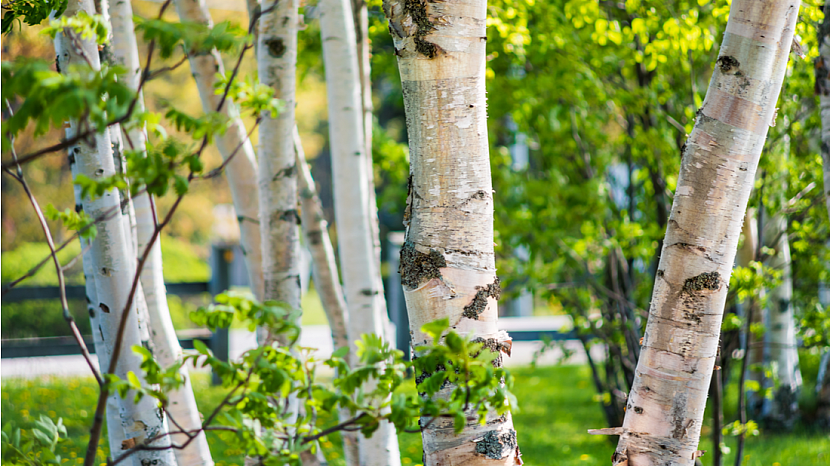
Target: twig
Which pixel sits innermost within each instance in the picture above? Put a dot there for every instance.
(58, 269)
(218, 170)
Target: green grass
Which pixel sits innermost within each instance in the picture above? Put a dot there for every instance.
(557, 407)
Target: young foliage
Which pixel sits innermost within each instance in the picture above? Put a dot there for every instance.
(31, 12)
(50, 98)
(33, 447)
(197, 39)
(82, 24)
(458, 380)
(76, 221)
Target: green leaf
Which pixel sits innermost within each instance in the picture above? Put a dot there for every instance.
(436, 328)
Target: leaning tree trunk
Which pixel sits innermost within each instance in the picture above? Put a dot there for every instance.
(279, 226)
(316, 236)
(182, 405)
(448, 260)
(361, 275)
(111, 256)
(665, 408)
(242, 170)
(823, 90)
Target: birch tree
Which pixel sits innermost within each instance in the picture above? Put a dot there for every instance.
(111, 257)
(352, 186)
(447, 261)
(665, 407)
(242, 169)
(277, 176)
(316, 235)
(182, 407)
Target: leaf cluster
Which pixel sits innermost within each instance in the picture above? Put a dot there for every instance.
(274, 394)
(33, 447)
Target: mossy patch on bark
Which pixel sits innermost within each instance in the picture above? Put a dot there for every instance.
(417, 267)
(497, 446)
(479, 302)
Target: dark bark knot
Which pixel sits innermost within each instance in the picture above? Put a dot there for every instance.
(497, 446)
(728, 63)
(479, 302)
(410, 18)
(705, 281)
(290, 216)
(276, 47)
(417, 267)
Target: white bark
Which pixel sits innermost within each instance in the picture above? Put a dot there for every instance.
(111, 256)
(241, 172)
(352, 186)
(448, 261)
(783, 345)
(279, 229)
(316, 235)
(165, 343)
(665, 408)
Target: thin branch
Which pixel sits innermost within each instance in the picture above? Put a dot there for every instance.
(58, 269)
(218, 170)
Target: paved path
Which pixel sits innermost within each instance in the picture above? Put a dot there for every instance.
(314, 336)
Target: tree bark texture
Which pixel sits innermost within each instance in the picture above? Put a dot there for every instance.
(781, 336)
(352, 186)
(316, 235)
(112, 266)
(165, 343)
(279, 227)
(665, 408)
(448, 261)
(241, 172)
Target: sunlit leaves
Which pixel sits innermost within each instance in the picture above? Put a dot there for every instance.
(260, 382)
(49, 99)
(77, 221)
(33, 446)
(251, 95)
(82, 25)
(31, 12)
(195, 38)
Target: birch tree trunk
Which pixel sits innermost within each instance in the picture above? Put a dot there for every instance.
(448, 261)
(665, 408)
(111, 255)
(823, 90)
(783, 345)
(352, 186)
(316, 235)
(242, 170)
(165, 343)
(326, 277)
(279, 226)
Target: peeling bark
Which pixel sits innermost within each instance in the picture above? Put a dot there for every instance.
(716, 177)
(242, 171)
(110, 264)
(448, 259)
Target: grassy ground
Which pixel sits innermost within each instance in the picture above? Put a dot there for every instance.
(557, 407)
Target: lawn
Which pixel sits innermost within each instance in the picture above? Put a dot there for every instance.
(557, 407)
